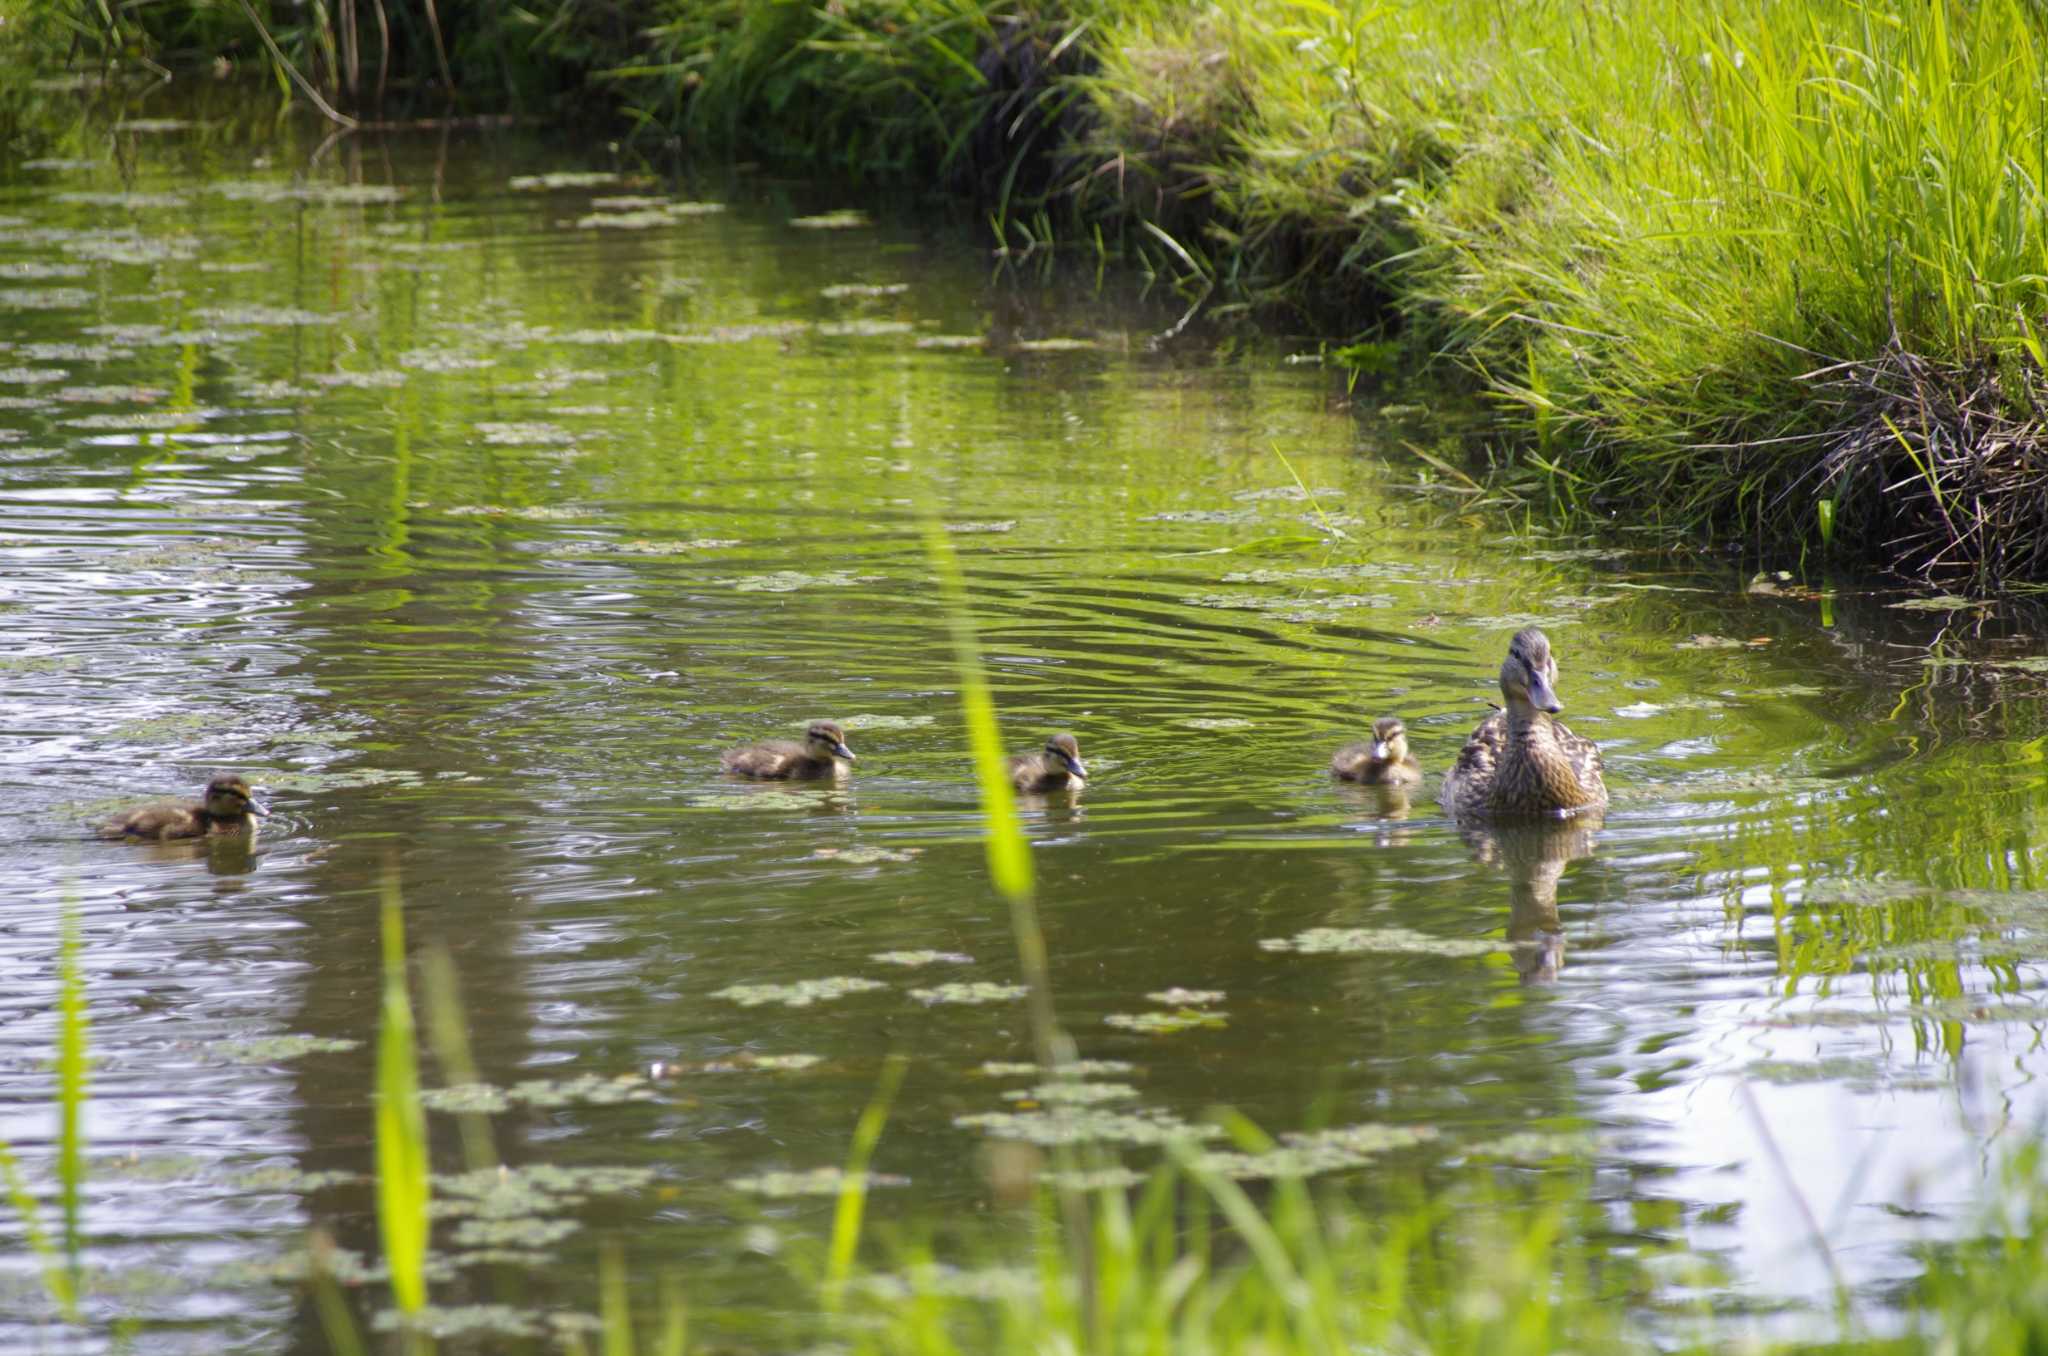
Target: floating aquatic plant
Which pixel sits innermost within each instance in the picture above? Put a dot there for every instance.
(790, 581)
(1216, 723)
(1068, 1125)
(845, 219)
(952, 341)
(561, 179)
(813, 1182)
(275, 1049)
(867, 854)
(801, 994)
(874, 722)
(31, 376)
(1306, 1155)
(1003, 525)
(970, 993)
(1393, 940)
(919, 958)
(846, 291)
(1535, 1146)
(1068, 1093)
(1080, 1068)
(1186, 998)
(1165, 1023)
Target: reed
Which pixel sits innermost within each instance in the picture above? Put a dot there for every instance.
(404, 1191)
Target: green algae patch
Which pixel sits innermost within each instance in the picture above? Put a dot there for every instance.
(44, 298)
(517, 1232)
(998, 525)
(1068, 1093)
(449, 1322)
(1166, 1023)
(1386, 940)
(30, 270)
(813, 1182)
(444, 360)
(866, 855)
(647, 217)
(1186, 998)
(1535, 1146)
(845, 219)
(520, 434)
(952, 341)
(1054, 1126)
(791, 581)
(874, 722)
(276, 1049)
(545, 1093)
(1216, 723)
(31, 376)
(802, 994)
(261, 317)
(778, 798)
(110, 395)
(1080, 1068)
(861, 329)
(857, 291)
(1317, 1152)
(296, 1267)
(331, 195)
(970, 993)
(283, 1178)
(561, 179)
(645, 546)
(921, 958)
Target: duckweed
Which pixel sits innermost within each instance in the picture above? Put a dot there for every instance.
(561, 179)
(873, 722)
(1186, 998)
(1080, 1068)
(801, 994)
(1165, 1023)
(1055, 1126)
(867, 854)
(790, 581)
(918, 958)
(517, 1232)
(1065, 1093)
(814, 1182)
(970, 993)
(1392, 940)
(844, 219)
(1308, 1155)
(846, 291)
(276, 1049)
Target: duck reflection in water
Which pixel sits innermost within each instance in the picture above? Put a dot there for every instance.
(1534, 855)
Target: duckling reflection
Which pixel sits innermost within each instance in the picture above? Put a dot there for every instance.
(1057, 768)
(1521, 760)
(1389, 804)
(819, 755)
(1534, 855)
(227, 806)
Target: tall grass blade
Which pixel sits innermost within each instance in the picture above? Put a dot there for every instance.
(71, 1093)
(851, 1206)
(448, 1031)
(614, 1309)
(403, 1193)
(57, 1278)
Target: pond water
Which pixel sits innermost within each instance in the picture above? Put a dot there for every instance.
(472, 512)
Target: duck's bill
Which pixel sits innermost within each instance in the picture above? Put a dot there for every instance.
(1379, 750)
(1542, 695)
(841, 751)
(1075, 766)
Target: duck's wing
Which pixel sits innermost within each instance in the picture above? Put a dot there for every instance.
(159, 819)
(1584, 755)
(1350, 761)
(1027, 771)
(1479, 759)
(772, 759)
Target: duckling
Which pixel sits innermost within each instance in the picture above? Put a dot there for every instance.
(1521, 761)
(1057, 768)
(1384, 761)
(785, 759)
(227, 806)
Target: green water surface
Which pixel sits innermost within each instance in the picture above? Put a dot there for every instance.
(472, 514)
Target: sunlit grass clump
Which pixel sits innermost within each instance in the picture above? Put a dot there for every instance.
(1760, 266)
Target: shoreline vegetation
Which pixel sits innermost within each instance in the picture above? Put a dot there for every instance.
(1770, 274)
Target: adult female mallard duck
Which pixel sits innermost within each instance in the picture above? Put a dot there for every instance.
(786, 760)
(1520, 761)
(227, 805)
(1383, 760)
(1057, 768)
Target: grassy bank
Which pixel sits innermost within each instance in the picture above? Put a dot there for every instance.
(1771, 271)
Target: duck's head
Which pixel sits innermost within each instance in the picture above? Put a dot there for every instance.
(1528, 676)
(826, 740)
(1065, 750)
(1389, 740)
(229, 797)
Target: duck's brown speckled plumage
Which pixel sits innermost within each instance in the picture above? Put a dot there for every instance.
(1057, 768)
(1383, 760)
(226, 806)
(819, 755)
(1521, 760)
